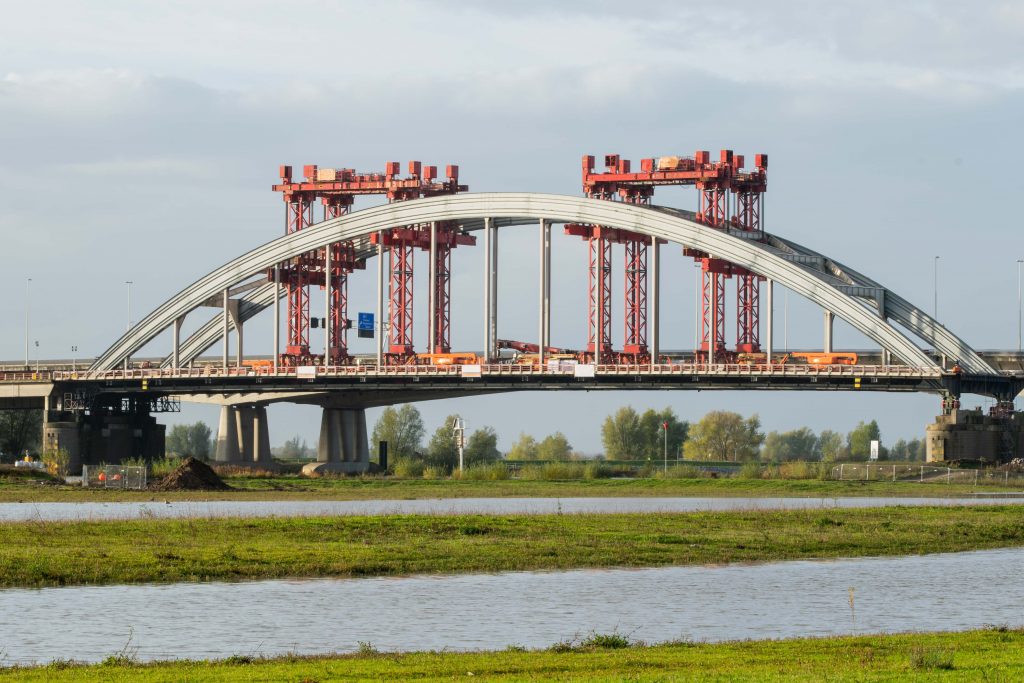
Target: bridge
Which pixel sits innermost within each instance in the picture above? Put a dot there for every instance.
(106, 410)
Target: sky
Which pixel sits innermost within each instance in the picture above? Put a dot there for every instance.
(139, 142)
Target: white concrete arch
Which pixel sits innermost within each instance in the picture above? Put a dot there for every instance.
(795, 272)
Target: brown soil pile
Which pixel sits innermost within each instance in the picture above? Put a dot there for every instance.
(191, 475)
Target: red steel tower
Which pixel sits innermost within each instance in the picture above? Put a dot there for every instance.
(714, 182)
(337, 189)
(600, 240)
(749, 189)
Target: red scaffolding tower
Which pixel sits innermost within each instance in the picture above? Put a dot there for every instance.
(337, 189)
(714, 182)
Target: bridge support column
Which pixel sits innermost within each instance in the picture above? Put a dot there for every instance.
(261, 437)
(227, 436)
(342, 447)
(244, 415)
(829, 323)
(769, 323)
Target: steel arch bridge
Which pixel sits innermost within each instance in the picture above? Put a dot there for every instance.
(105, 412)
(880, 314)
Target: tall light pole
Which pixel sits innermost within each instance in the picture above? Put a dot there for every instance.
(28, 283)
(74, 359)
(1019, 262)
(935, 287)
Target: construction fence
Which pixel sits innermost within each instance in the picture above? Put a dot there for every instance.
(114, 476)
(925, 474)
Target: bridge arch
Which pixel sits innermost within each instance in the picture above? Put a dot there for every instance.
(859, 301)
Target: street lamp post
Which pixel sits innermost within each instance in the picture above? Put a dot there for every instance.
(935, 287)
(74, 359)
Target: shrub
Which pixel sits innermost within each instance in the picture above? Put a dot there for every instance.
(683, 472)
(596, 470)
(407, 468)
(606, 641)
(494, 471)
(435, 472)
(57, 461)
(552, 471)
(801, 469)
(931, 658)
(749, 470)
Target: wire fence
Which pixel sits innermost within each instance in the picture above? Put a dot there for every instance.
(114, 476)
(925, 474)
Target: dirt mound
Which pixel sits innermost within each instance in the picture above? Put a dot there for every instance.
(191, 475)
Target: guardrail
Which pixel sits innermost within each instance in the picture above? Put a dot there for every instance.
(560, 369)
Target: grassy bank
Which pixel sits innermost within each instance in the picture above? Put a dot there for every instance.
(147, 550)
(986, 655)
(329, 488)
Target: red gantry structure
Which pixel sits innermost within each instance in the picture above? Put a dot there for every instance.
(715, 181)
(337, 189)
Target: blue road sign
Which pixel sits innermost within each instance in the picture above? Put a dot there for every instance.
(365, 325)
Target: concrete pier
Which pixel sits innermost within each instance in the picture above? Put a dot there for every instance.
(243, 436)
(342, 447)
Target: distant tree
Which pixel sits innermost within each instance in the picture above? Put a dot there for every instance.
(525, 448)
(830, 445)
(798, 444)
(622, 435)
(481, 447)
(723, 435)
(900, 450)
(858, 441)
(294, 449)
(190, 440)
(915, 449)
(402, 429)
(652, 428)
(20, 431)
(443, 449)
(554, 447)
(200, 440)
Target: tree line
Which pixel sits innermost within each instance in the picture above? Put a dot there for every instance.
(652, 435)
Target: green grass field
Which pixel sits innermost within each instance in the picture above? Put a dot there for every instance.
(987, 655)
(148, 550)
(300, 488)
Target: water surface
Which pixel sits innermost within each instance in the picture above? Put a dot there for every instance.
(452, 506)
(533, 609)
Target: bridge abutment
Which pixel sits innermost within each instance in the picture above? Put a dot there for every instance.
(342, 447)
(971, 435)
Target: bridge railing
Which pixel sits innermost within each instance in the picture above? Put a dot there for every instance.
(559, 369)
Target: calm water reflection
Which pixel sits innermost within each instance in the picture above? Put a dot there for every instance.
(534, 609)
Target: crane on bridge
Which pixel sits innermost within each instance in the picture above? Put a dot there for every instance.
(337, 188)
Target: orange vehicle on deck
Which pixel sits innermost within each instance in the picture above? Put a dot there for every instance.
(447, 359)
(837, 358)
